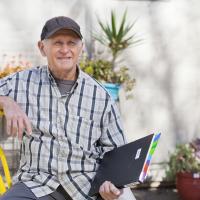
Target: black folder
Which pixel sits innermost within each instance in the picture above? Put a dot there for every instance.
(127, 164)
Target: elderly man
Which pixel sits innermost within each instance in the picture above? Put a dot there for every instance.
(65, 120)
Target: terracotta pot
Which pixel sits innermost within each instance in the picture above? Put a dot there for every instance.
(188, 187)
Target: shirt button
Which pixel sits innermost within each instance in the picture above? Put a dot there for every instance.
(63, 154)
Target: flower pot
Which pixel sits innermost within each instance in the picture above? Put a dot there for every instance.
(188, 186)
(113, 90)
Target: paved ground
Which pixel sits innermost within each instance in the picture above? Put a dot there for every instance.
(156, 194)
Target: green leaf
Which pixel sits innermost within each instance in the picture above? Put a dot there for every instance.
(113, 21)
(121, 29)
(116, 34)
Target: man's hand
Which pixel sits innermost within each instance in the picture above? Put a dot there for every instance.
(109, 192)
(16, 120)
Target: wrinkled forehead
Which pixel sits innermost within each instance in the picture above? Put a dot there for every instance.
(65, 32)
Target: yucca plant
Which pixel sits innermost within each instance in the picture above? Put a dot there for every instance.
(117, 37)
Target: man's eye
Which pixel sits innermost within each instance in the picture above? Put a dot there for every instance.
(71, 43)
(58, 43)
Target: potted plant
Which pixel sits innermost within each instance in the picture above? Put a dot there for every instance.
(102, 71)
(184, 168)
(116, 37)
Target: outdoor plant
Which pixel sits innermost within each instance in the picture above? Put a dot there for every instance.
(102, 71)
(186, 158)
(9, 70)
(117, 37)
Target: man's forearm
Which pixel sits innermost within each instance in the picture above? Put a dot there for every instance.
(3, 101)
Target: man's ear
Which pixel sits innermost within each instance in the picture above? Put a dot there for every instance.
(41, 48)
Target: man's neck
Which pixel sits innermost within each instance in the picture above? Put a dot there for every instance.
(72, 75)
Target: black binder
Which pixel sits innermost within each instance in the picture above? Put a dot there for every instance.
(126, 164)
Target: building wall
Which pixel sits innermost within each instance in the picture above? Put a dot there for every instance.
(165, 65)
(166, 68)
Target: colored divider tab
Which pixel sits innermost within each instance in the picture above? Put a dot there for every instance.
(149, 157)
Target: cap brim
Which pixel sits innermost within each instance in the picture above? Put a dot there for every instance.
(63, 28)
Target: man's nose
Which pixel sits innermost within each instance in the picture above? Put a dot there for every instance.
(65, 48)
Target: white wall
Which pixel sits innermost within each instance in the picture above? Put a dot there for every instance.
(22, 21)
(165, 65)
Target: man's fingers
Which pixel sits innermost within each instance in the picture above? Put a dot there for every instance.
(20, 128)
(108, 191)
(107, 187)
(8, 126)
(16, 118)
(14, 127)
(102, 191)
(114, 190)
(17, 125)
(27, 125)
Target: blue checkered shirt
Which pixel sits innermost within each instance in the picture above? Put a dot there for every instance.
(70, 133)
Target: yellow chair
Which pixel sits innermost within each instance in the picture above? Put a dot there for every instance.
(7, 185)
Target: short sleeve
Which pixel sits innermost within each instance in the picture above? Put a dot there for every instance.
(5, 90)
(6, 85)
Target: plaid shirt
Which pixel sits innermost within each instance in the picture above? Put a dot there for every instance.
(70, 133)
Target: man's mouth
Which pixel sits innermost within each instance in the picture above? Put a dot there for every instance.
(64, 58)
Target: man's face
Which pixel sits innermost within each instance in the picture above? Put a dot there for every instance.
(62, 51)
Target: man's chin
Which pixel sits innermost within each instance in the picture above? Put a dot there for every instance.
(65, 66)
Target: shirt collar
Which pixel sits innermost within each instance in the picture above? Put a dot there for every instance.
(80, 76)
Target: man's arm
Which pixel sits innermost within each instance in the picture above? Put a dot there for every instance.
(112, 137)
(16, 120)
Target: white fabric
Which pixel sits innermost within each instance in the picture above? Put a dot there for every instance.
(127, 195)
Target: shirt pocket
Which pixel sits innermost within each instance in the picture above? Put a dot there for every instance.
(83, 131)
